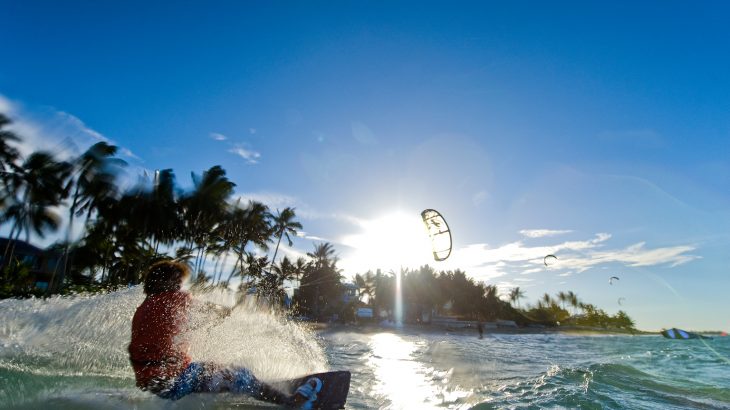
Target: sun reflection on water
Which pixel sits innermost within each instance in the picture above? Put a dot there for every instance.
(402, 381)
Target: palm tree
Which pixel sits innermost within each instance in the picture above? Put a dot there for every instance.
(516, 294)
(573, 300)
(320, 289)
(204, 208)
(285, 225)
(492, 303)
(9, 177)
(562, 297)
(284, 270)
(38, 187)
(300, 267)
(323, 255)
(93, 182)
(248, 225)
(8, 153)
(366, 285)
(255, 269)
(160, 205)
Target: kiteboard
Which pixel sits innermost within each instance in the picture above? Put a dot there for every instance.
(335, 386)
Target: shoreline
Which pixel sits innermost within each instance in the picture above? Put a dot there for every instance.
(470, 331)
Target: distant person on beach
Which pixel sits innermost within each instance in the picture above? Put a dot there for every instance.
(480, 329)
(159, 349)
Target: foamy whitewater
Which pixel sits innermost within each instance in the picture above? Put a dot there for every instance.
(70, 353)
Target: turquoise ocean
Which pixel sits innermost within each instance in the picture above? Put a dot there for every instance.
(70, 353)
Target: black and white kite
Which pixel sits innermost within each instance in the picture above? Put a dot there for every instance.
(439, 233)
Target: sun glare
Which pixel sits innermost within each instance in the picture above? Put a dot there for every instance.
(390, 242)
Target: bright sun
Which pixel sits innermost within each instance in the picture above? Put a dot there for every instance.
(390, 242)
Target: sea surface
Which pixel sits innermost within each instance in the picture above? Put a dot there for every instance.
(70, 353)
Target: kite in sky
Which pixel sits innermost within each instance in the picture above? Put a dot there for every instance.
(545, 259)
(610, 280)
(439, 233)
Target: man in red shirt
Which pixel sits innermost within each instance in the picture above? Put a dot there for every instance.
(159, 349)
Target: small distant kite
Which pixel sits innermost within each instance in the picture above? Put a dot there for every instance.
(439, 233)
(545, 259)
(611, 279)
(620, 300)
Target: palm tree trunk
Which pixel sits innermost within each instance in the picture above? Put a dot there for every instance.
(71, 212)
(240, 261)
(18, 225)
(6, 261)
(223, 266)
(276, 250)
(12, 249)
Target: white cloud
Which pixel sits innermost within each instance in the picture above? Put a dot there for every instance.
(62, 133)
(477, 254)
(127, 153)
(74, 121)
(305, 235)
(540, 233)
(6, 107)
(250, 156)
(271, 199)
(218, 137)
(573, 256)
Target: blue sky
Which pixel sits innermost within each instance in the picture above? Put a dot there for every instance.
(598, 132)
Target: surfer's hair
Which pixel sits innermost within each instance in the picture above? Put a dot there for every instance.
(165, 276)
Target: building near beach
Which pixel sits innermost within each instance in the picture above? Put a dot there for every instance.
(41, 263)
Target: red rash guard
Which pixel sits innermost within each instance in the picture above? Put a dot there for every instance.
(156, 351)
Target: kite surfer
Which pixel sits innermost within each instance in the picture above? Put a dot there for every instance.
(159, 350)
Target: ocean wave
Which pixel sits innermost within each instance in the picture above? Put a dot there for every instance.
(607, 386)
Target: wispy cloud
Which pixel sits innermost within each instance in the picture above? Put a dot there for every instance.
(63, 133)
(573, 256)
(241, 149)
(476, 254)
(251, 156)
(304, 235)
(271, 199)
(75, 122)
(6, 107)
(128, 153)
(519, 262)
(540, 233)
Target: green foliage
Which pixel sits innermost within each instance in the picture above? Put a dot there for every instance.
(16, 281)
(321, 289)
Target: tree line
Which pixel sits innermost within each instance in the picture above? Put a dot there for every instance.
(426, 292)
(125, 231)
